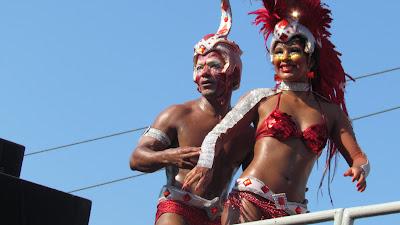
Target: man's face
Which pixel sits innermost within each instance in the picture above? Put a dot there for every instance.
(210, 79)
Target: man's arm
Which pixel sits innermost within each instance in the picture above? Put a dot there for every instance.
(155, 149)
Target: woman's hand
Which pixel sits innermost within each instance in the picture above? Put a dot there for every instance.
(357, 174)
(201, 175)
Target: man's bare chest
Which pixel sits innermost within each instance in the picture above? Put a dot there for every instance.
(192, 131)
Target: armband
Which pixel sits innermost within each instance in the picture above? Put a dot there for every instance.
(158, 135)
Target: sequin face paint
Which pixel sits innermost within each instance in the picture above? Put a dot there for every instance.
(290, 61)
(209, 76)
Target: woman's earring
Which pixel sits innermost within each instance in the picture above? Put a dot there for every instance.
(276, 78)
(311, 74)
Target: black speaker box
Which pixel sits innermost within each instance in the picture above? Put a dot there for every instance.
(26, 203)
(11, 156)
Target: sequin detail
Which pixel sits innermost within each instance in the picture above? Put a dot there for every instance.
(235, 115)
(281, 126)
(267, 207)
(191, 215)
(158, 135)
(212, 208)
(279, 200)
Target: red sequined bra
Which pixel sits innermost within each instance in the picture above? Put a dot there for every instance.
(281, 126)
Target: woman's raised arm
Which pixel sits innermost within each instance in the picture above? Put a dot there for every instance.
(243, 114)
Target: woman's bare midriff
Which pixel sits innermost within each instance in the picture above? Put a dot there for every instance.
(283, 166)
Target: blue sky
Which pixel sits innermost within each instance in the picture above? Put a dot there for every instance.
(74, 70)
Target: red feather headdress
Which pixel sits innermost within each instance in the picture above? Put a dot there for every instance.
(316, 17)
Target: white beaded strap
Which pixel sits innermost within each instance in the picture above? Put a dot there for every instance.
(294, 86)
(206, 158)
(366, 168)
(158, 135)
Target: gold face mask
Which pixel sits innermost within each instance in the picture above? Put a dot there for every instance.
(287, 54)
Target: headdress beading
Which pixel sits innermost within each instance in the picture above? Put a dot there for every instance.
(210, 42)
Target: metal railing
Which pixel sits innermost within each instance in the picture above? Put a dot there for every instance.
(340, 216)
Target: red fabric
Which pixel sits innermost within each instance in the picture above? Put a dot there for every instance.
(281, 126)
(267, 207)
(192, 215)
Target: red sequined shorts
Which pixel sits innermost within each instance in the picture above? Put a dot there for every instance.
(191, 215)
(267, 207)
(271, 205)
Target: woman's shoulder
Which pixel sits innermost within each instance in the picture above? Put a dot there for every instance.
(325, 102)
(328, 104)
(331, 109)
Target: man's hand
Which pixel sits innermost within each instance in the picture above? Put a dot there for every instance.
(201, 175)
(357, 174)
(182, 157)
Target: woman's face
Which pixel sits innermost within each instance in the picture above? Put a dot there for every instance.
(290, 61)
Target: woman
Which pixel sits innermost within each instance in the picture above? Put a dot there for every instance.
(293, 121)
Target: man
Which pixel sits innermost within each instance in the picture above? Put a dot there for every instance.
(174, 138)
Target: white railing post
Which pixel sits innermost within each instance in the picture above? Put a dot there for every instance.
(347, 219)
(338, 216)
(368, 211)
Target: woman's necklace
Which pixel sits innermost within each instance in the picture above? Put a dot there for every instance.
(293, 86)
